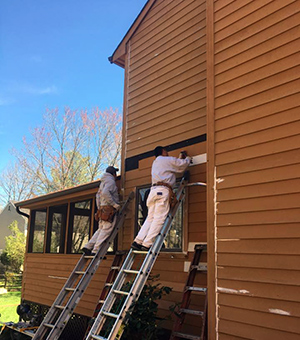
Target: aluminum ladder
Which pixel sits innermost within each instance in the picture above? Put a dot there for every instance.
(63, 306)
(126, 299)
(113, 273)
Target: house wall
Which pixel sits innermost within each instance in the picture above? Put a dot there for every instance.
(165, 104)
(7, 216)
(166, 70)
(254, 145)
(45, 274)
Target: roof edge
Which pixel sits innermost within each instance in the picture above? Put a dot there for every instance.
(59, 193)
(120, 51)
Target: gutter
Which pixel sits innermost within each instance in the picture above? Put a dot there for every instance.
(56, 194)
(21, 212)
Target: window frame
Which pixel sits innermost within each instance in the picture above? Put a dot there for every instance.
(63, 209)
(72, 213)
(31, 232)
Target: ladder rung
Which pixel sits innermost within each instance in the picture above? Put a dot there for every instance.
(108, 284)
(89, 256)
(80, 272)
(200, 267)
(48, 325)
(196, 289)
(120, 292)
(111, 315)
(186, 336)
(59, 307)
(98, 337)
(70, 289)
(139, 252)
(101, 301)
(115, 268)
(191, 311)
(130, 271)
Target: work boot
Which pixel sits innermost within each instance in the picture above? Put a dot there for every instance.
(143, 248)
(136, 246)
(86, 251)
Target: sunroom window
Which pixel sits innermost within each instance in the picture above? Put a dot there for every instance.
(56, 229)
(37, 231)
(79, 225)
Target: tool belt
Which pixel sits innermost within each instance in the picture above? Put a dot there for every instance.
(105, 213)
(172, 196)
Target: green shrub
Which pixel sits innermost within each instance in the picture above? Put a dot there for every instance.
(143, 322)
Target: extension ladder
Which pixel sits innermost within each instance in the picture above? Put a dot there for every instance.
(113, 319)
(186, 298)
(114, 270)
(63, 307)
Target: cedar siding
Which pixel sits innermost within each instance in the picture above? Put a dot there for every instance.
(165, 104)
(45, 275)
(166, 76)
(256, 155)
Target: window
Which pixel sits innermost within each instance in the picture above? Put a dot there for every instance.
(173, 241)
(56, 229)
(37, 231)
(79, 227)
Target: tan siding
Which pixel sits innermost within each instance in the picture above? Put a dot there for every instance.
(167, 77)
(257, 168)
(258, 304)
(264, 261)
(166, 28)
(246, 331)
(173, 58)
(165, 103)
(266, 320)
(44, 277)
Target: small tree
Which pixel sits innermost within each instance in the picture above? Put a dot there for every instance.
(13, 254)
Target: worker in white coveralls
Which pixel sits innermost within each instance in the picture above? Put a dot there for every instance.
(163, 173)
(107, 199)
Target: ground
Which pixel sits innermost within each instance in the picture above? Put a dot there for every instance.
(8, 306)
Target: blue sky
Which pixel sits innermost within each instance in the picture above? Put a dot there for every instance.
(53, 53)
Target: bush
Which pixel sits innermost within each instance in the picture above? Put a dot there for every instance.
(13, 254)
(143, 323)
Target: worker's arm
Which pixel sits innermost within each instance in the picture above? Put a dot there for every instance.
(179, 165)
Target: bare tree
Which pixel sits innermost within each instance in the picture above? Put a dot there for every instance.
(68, 149)
(15, 183)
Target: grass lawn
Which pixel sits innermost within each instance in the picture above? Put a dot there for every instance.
(8, 306)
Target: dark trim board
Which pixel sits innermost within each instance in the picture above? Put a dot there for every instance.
(132, 163)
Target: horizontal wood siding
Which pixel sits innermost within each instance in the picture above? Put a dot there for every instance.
(257, 139)
(166, 104)
(166, 92)
(45, 275)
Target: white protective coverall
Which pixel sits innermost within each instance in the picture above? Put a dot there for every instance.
(107, 195)
(164, 169)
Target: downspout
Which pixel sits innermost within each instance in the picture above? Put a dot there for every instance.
(21, 212)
